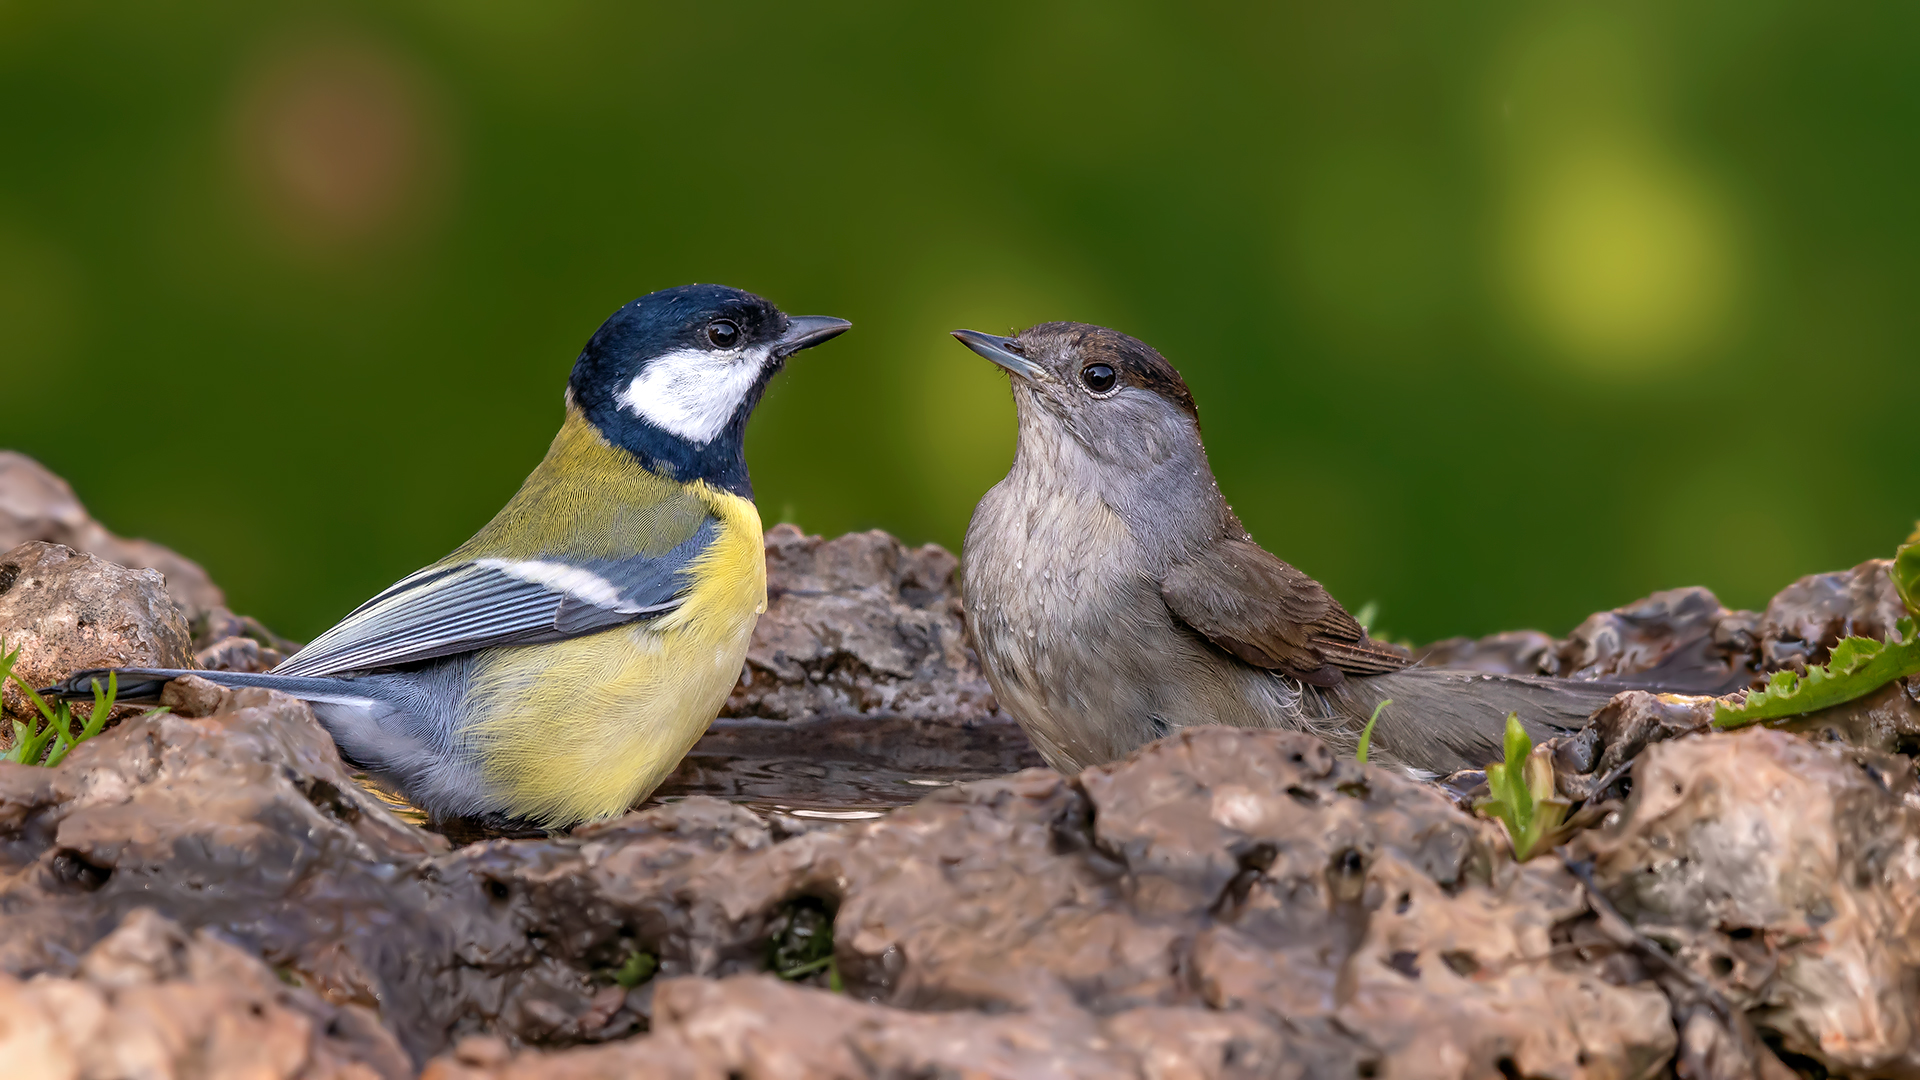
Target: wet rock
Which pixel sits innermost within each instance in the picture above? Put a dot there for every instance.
(1594, 762)
(37, 505)
(1783, 874)
(66, 610)
(1590, 759)
(152, 1000)
(1807, 618)
(859, 624)
(1679, 640)
(1685, 641)
(1886, 721)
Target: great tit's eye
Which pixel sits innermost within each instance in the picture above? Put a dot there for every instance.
(723, 333)
(1098, 378)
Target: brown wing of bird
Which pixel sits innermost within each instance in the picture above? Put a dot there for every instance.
(1270, 615)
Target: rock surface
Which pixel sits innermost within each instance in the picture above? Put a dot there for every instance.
(1786, 875)
(1227, 902)
(65, 610)
(37, 505)
(1686, 641)
(151, 1000)
(860, 624)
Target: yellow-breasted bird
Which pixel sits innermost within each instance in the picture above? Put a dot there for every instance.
(557, 666)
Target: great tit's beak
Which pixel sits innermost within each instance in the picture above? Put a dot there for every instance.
(1004, 351)
(806, 331)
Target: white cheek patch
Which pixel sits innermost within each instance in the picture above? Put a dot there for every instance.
(692, 393)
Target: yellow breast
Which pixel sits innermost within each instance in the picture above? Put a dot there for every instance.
(584, 728)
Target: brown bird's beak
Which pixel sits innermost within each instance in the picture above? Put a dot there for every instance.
(1005, 351)
(806, 331)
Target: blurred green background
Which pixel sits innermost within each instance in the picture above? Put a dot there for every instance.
(1497, 314)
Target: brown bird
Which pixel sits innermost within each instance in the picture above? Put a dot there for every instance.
(1114, 596)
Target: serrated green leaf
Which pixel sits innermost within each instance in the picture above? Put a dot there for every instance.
(1858, 667)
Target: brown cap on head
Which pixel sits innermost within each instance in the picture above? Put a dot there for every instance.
(1135, 362)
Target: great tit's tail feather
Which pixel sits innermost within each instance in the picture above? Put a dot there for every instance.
(137, 686)
(1442, 720)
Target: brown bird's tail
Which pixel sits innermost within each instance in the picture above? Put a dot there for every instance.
(1442, 720)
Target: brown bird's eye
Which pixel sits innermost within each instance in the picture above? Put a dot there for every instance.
(1098, 378)
(723, 333)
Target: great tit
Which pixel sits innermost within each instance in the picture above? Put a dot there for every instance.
(1114, 596)
(557, 666)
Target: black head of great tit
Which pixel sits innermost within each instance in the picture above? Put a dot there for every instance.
(673, 377)
(559, 664)
(1114, 596)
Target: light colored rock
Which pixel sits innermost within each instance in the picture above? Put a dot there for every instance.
(153, 1001)
(1786, 874)
(66, 610)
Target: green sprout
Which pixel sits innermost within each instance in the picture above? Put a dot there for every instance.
(55, 723)
(1368, 612)
(1366, 733)
(803, 944)
(1906, 571)
(638, 968)
(1524, 798)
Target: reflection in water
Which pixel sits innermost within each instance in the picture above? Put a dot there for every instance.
(848, 768)
(834, 765)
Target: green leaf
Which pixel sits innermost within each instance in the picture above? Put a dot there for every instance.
(1857, 667)
(1366, 733)
(1906, 571)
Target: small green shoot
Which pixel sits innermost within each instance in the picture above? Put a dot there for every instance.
(807, 968)
(1366, 733)
(802, 943)
(1524, 798)
(1858, 667)
(637, 969)
(55, 723)
(1368, 612)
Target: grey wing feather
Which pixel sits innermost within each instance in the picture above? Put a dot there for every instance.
(447, 610)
